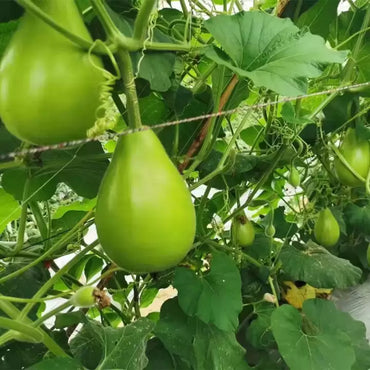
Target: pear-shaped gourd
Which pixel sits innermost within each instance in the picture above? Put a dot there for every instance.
(145, 218)
(326, 229)
(356, 152)
(49, 87)
(242, 231)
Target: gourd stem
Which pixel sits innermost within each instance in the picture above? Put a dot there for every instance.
(260, 183)
(23, 219)
(142, 19)
(9, 309)
(47, 285)
(41, 224)
(51, 313)
(9, 324)
(133, 109)
(11, 164)
(67, 237)
(109, 27)
(220, 166)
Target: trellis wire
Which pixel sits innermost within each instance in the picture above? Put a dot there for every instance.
(67, 144)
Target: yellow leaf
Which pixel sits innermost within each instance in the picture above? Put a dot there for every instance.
(297, 295)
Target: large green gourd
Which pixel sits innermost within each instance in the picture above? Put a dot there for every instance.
(356, 152)
(49, 89)
(145, 218)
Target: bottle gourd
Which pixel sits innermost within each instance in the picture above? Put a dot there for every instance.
(326, 229)
(49, 87)
(356, 151)
(145, 218)
(242, 231)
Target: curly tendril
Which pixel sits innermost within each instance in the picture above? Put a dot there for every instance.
(152, 23)
(102, 122)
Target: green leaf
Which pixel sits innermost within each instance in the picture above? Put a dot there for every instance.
(9, 10)
(321, 335)
(8, 142)
(6, 33)
(214, 297)
(319, 17)
(157, 67)
(289, 115)
(316, 266)
(358, 217)
(57, 363)
(153, 110)
(110, 348)
(201, 346)
(86, 205)
(158, 356)
(82, 169)
(64, 320)
(216, 349)
(272, 52)
(347, 24)
(259, 331)
(176, 331)
(19, 355)
(10, 209)
(250, 134)
(33, 278)
(148, 296)
(93, 266)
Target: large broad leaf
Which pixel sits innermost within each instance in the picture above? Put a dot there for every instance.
(259, 331)
(110, 348)
(358, 217)
(320, 335)
(318, 267)
(9, 209)
(202, 346)
(157, 67)
(176, 331)
(81, 168)
(33, 279)
(215, 349)
(158, 356)
(20, 355)
(8, 142)
(272, 52)
(57, 363)
(319, 17)
(214, 297)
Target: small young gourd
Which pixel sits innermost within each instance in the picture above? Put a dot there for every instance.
(326, 229)
(242, 231)
(49, 87)
(145, 218)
